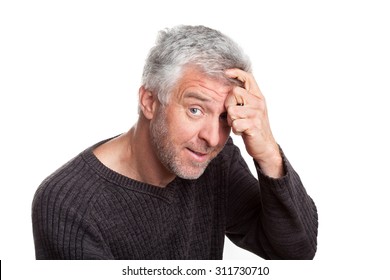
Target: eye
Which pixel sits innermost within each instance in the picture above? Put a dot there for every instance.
(223, 117)
(195, 111)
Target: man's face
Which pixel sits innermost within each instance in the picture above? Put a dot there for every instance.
(192, 129)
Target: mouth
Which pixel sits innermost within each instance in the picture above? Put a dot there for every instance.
(198, 156)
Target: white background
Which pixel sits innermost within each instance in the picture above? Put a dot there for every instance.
(69, 76)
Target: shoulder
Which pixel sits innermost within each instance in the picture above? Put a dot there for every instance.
(75, 185)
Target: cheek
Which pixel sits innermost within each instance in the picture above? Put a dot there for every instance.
(224, 134)
(182, 130)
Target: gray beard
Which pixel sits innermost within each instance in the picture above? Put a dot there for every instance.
(166, 152)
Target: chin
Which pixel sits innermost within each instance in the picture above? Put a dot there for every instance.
(190, 175)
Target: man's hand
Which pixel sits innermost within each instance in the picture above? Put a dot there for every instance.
(247, 115)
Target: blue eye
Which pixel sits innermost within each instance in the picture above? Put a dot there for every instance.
(195, 111)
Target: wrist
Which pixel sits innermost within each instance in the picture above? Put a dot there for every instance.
(271, 163)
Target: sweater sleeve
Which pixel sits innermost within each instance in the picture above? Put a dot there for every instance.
(273, 218)
(63, 230)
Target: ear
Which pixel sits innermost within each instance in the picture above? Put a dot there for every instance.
(147, 102)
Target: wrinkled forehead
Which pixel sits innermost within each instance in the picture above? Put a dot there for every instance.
(201, 90)
(217, 76)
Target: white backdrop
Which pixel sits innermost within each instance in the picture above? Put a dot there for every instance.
(70, 72)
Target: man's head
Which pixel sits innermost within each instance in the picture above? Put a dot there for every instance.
(207, 49)
(183, 96)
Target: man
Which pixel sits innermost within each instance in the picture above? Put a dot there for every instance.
(175, 184)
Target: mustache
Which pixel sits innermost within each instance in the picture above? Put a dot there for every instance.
(202, 148)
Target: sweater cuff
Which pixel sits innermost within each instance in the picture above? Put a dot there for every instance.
(275, 182)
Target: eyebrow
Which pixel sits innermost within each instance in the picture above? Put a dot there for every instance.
(198, 96)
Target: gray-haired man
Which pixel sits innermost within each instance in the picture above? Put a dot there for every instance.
(175, 184)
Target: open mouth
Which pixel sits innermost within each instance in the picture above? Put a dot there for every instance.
(198, 155)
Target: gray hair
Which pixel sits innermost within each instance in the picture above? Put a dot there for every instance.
(199, 46)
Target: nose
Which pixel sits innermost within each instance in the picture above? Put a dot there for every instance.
(211, 133)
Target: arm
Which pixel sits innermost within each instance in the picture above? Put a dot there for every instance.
(62, 228)
(273, 218)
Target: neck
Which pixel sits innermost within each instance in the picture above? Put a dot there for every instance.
(133, 156)
(143, 159)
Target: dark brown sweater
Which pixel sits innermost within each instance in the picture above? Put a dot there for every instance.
(86, 211)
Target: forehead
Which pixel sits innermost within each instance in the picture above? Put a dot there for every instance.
(194, 79)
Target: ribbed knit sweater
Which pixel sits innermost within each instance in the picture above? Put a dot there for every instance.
(85, 210)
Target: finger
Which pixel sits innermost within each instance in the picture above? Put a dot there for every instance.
(236, 97)
(235, 105)
(241, 126)
(246, 78)
(236, 127)
(238, 74)
(236, 113)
